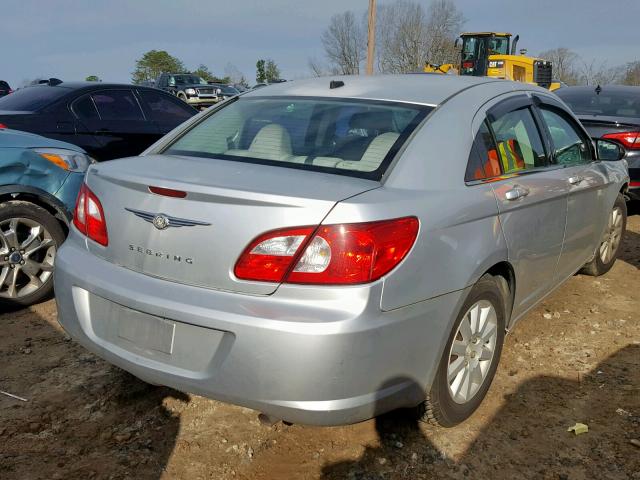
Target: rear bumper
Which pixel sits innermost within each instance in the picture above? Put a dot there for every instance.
(324, 356)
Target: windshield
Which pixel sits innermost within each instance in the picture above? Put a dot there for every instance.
(350, 137)
(624, 103)
(31, 99)
(189, 80)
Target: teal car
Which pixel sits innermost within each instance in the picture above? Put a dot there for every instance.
(39, 182)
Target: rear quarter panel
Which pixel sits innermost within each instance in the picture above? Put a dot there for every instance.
(460, 236)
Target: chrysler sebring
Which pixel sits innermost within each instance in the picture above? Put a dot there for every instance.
(324, 252)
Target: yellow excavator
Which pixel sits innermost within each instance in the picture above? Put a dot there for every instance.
(493, 54)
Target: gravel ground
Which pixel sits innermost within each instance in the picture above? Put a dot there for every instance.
(575, 358)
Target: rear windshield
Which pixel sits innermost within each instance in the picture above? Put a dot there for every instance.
(344, 136)
(608, 103)
(31, 99)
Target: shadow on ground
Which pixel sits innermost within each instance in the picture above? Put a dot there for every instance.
(607, 400)
(98, 423)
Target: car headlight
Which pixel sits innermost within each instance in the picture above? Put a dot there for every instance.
(66, 159)
(190, 91)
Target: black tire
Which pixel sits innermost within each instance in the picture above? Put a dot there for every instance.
(440, 408)
(182, 97)
(598, 266)
(27, 210)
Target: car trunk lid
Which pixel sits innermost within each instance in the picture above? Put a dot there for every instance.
(227, 205)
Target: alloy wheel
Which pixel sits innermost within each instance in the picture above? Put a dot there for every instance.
(472, 351)
(612, 235)
(27, 253)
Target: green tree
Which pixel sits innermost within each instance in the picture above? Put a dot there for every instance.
(204, 72)
(261, 75)
(271, 71)
(155, 62)
(92, 78)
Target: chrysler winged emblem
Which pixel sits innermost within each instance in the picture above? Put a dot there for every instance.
(163, 221)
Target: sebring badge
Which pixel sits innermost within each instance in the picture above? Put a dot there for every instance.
(162, 221)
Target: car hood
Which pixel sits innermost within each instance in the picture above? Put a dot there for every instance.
(17, 139)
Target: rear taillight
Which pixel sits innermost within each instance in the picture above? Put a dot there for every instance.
(630, 140)
(89, 217)
(467, 64)
(330, 254)
(2, 125)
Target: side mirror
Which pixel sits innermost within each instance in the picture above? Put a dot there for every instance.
(609, 151)
(218, 91)
(456, 44)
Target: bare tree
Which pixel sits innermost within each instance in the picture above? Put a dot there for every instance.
(344, 43)
(632, 73)
(401, 37)
(564, 62)
(234, 74)
(592, 73)
(444, 22)
(408, 36)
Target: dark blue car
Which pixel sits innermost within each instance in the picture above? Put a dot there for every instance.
(39, 182)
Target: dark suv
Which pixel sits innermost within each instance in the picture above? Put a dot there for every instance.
(5, 89)
(107, 120)
(190, 88)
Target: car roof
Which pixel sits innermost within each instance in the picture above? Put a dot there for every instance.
(422, 88)
(88, 85)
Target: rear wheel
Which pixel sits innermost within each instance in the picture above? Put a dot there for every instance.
(29, 239)
(470, 358)
(607, 252)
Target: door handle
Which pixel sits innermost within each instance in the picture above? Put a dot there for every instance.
(576, 180)
(516, 193)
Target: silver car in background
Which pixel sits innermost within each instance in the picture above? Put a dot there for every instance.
(323, 253)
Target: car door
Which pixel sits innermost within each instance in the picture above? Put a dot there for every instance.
(586, 178)
(165, 111)
(120, 126)
(532, 199)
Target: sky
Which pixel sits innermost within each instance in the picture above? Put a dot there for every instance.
(71, 39)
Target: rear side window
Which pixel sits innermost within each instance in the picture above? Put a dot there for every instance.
(31, 99)
(569, 148)
(166, 109)
(344, 136)
(483, 160)
(85, 109)
(117, 105)
(518, 141)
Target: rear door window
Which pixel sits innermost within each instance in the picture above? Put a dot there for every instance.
(117, 105)
(518, 141)
(344, 136)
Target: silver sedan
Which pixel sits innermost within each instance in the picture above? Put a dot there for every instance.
(324, 253)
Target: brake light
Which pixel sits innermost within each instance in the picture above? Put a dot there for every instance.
(634, 184)
(168, 192)
(2, 125)
(89, 216)
(467, 64)
(344, 254)
(630, 140)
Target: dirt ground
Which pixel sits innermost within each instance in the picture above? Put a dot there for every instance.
(575, 358)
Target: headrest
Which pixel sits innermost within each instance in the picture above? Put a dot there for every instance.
(373, 121)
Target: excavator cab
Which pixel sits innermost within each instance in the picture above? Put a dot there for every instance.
(476, 49)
